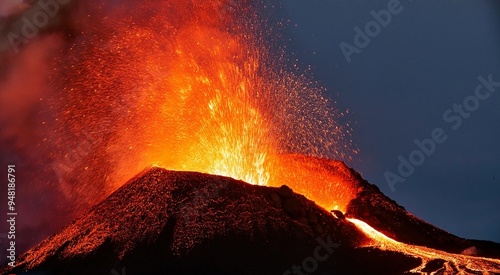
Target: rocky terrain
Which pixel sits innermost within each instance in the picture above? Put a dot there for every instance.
(168, 222)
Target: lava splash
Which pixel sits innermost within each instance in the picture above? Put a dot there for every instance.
(189, 86)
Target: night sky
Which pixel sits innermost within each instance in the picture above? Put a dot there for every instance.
(397, 89)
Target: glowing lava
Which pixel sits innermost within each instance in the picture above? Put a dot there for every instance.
(203, 112)
(328, 183)
(197, 86)
(454, 263)
(198, 90)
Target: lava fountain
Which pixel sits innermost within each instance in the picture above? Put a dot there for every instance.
(192, 86)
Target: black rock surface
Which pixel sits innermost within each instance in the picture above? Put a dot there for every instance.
(167, 222)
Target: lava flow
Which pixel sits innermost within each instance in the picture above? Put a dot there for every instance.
(197, 86)
(453, 263)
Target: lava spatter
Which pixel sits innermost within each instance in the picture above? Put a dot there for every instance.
(191, 86)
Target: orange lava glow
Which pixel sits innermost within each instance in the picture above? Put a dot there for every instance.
(197, 85)
(205, 117)
(328, 183)
(201, 90)
(455, 263)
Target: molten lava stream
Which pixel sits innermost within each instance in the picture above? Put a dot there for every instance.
(462, 263)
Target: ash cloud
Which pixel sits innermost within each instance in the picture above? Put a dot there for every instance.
(23, 87)
(26, 92)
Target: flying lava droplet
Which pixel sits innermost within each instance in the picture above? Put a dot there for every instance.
(193, 86)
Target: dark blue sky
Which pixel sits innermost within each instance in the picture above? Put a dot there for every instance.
(398, 87)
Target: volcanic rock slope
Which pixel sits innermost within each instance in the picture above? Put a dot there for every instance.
(167, 222)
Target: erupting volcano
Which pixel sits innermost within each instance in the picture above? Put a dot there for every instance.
(186, 143)
(174, 86)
